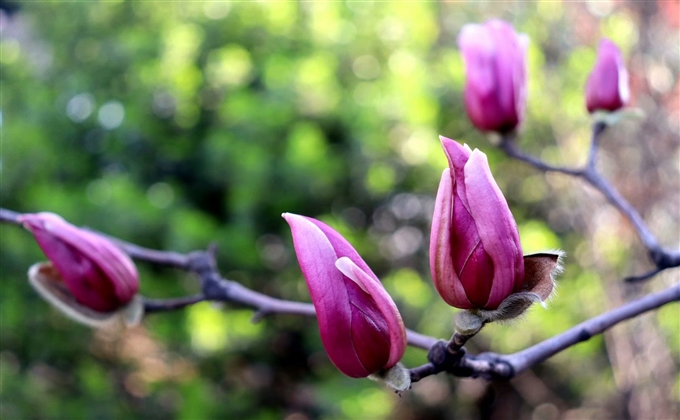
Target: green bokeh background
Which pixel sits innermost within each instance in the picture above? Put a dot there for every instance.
(179, 124)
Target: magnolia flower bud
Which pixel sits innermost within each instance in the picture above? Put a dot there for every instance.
(475, 253)
(607, 86)
(94, 271)
(361, 328)
(495, 65)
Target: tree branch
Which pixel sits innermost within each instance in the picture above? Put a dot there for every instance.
(508, 146)
(450, 357)
(494, 366)
(214, 286)
(661, 257)
(585, 330)
(9, 216)
(163, 305)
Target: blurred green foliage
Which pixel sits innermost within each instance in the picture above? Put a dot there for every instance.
(175, 125)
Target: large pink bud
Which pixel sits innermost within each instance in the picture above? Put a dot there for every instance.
(361, 328)
(98, 274)
(475, 254)
(607, 86)
(495, 65)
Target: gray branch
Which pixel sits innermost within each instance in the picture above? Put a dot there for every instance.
(448, 357)
(661, 257)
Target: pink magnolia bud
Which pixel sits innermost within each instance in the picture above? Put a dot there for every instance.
(95, 271)
(607, 86)
(495, 65)
(361, 328)
(475, 254)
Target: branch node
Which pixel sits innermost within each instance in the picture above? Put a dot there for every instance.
(438, 353)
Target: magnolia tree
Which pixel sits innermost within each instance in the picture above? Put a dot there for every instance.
(476, 259)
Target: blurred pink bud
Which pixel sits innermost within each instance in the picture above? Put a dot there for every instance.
(495, 65)
(95, 271)
(361, 328)
(607, 86)
(475, 254)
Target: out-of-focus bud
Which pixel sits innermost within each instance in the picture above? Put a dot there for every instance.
(607, 87)
(361, 328)
(87, 273)
(495, 66)
(475, 253)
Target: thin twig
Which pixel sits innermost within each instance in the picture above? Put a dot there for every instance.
(165, 258)
(164, 305)
(508, 146)
(598, 129)
(661, 257)
(644, 276)
(9, 216)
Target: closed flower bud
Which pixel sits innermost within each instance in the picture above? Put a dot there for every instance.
(361, 328)
(87, 267)
(607, 86)
(495, 66)
(475, 253)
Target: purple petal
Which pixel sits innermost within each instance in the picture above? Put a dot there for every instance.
(96, 272)
(390, 313)
(510, 70)
(457, 156)
(118, 269)
(476, 271)
(330, 296)
(478, 48)
(468, 257)
(341, 246)
(607, 87)
(495, 64)
(370, 340)
(496, 227)
(443, 271)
